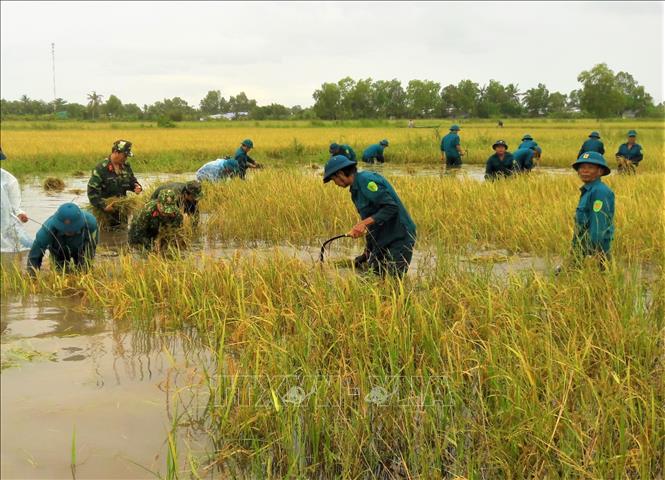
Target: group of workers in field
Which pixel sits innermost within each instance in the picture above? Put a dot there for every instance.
(71, 234)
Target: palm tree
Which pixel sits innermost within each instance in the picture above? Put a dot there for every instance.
(94, 101)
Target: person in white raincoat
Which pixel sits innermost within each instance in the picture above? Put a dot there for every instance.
(13, 238)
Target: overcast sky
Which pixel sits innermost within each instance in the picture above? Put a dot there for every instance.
(282, 52)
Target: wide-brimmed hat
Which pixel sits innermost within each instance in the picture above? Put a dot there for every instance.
(248, 143)
(632, 133)
(594, 134)
(455, 128)
(334, 165)
(68, 218)
(594, 158)
(384, 142)
(168, 201)
(499, 142)
(333, 147)
(527, 137)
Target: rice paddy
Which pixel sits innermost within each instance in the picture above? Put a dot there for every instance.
(308, 370)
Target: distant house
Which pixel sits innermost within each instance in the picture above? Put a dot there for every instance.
(226, 116)
(629, 114)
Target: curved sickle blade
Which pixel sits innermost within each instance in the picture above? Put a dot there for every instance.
(325, 244)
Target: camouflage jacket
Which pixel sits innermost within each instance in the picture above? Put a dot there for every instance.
(105, 183)
(147, 223)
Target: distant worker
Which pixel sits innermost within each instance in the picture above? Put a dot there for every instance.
(501, 163)
(70, 236)
(527, 142)
(391, 233)
(155, 215)
(499, 124)
(594, 216)
(346, 150)
(451, 150)
(243, 158)
(188, 195)
(593, 144)
(411, 124)
(219, 169)
(113, 177)
(13, 237)
(526, 158)
(630, 154)
(375, 152)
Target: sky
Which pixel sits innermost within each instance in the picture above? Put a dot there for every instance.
(281, 52)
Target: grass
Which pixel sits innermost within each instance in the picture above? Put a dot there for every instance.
(187, 148)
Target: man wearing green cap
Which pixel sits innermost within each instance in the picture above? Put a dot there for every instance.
(113, 177)
(243, 158)
(451, 150)
(525, 158)
(527, 142)
(593, 144)
(594, 217)
(501, 163)
(346, 150)
(189, 194)
(155, 215)
(630, 154)
(375, 152)
(70, 236)
(391, 233)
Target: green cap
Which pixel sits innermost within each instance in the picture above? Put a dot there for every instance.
(384, 142)
(168, 202)
(527, 137)
(248, 143)
(594, 158)
(594, 134)
(455, 128)
(123, 146)
(632, 133)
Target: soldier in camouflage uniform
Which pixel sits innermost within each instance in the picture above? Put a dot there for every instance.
(112, 177)
(156, 214)
(189, 195)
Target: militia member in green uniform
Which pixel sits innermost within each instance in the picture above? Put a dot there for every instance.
(155, 215)
(593, 144)
(188, 195)
(594, 217)
(70, 236)
(391, 233)
(527, 142)
(113, 177)
(346, 150)
(375, 152)
(501, 163)
(243, 158)
(451, 149)
(630, 154)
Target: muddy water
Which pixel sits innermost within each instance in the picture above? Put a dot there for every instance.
(114, 387)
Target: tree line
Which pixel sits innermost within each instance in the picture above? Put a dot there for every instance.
(602, 94)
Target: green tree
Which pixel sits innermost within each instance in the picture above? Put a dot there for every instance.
(600, 94)
(132, 111)
(327, 101)
(212, 103)
(635, 98)
(240, 103)
(358, 100)
(537, 100)
(388, 99)
(557, 103)
(422, 98)
(113, 107)
(94, 102)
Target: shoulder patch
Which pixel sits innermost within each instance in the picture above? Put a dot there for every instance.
(597, 205)
(372, 187)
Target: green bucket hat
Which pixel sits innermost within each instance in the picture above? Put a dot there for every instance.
(334, 165)
(499, 142)
(594, 158)
(193, 187)
(168, 201)
(123, 146)
(248, 143)
(455, 128)
(632, 133)
(384, 142)
(594, 134)
(527, 137)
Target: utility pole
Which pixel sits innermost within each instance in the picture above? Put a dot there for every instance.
(53, 62)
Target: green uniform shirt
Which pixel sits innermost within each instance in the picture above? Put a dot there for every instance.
(147, 223)
(634, 153)
(496, 167)
(592, 145)
(523, 158)
(374, 197)
(243, 159)
(449, 145)
(347, 151)
(372, 152)
(105, 183)
(594, 219)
